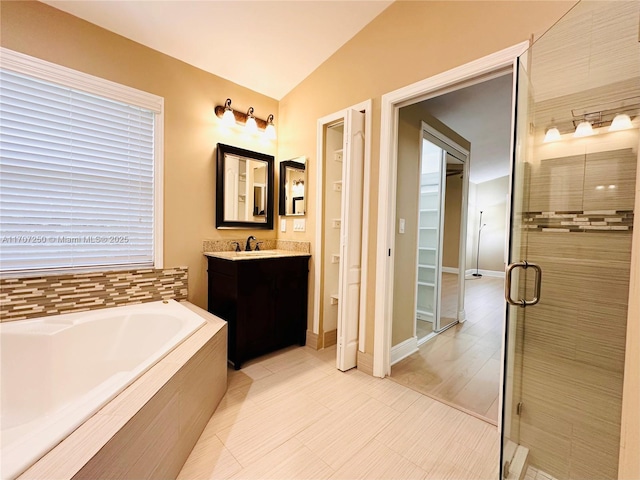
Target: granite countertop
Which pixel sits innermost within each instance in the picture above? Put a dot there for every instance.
(253, 255)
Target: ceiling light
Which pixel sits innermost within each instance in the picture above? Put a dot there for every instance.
(620, 122)
(584, 129)
(270, 131)
(552, 135)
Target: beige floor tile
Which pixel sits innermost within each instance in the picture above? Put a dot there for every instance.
(291, 460)
(254, 437)
(308, 420)
(209, 460)
(377, 462)
(339, 436)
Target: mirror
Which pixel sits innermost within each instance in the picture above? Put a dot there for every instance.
(244, 188)
(293, 185)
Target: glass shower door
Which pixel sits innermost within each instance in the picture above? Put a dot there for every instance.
(572, 214)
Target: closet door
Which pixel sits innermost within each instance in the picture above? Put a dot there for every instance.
(430, 231)
(351, 240)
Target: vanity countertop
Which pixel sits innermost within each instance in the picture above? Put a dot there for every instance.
(255, 255)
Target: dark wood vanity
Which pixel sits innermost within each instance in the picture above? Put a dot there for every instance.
(263, 299)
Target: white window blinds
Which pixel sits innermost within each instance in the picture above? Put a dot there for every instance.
(76, 178)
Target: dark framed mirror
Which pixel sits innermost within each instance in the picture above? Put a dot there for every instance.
(293, 186)
(244, 188)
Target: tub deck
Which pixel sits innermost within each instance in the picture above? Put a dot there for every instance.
(150, 428)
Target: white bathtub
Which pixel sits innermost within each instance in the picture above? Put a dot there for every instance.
(58, 371)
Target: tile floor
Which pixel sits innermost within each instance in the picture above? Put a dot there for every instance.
(535, 474)
(461, 366)
(293, 415)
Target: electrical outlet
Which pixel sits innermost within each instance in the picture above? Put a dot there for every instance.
(283, 224)
(401, 226)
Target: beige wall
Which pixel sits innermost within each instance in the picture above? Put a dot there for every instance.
(409, 41)
(191, 128)
(491, 198)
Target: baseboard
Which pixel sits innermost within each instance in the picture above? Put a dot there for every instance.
(330, 338)
(312, 340)
(365, 363)
(450, 270)
(404, 349)
(486, 273)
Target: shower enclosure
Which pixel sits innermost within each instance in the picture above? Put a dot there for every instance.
(573, 192)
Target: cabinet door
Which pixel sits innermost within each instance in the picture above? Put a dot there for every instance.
(257, 333)
(291, 298)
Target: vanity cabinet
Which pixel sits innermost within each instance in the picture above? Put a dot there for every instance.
(264, 301)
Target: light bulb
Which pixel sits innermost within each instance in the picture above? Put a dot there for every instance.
(252, 126)
(620, 122)
(228, 119)
(552, 135)
(270, 132)
(584, 129)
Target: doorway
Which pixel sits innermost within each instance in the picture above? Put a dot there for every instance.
(462, 367)
(342, 232)
(483, 69)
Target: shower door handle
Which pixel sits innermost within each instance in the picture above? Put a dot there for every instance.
(537, 284)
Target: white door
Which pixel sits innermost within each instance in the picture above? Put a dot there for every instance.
(350, 240)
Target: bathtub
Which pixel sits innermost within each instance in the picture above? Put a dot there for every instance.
(58, 371)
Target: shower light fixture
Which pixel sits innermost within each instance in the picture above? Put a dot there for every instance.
(252, 123)
(552, 135)
(584, 129)
(621, 121)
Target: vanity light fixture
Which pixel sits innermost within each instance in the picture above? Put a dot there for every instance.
(270, 130)
(252, 123)
(228, 118)
(584, 129)
(621, 121)
(552, 135)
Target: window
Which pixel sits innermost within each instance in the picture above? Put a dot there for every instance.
(80, 170)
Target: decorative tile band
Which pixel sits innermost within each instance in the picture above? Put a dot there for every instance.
(228, 245)
(585, 221)
(30, 297)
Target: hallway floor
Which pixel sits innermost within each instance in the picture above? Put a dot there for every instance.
(461, 366)
(293, 415)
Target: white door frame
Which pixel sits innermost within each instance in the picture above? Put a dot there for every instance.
(476, 71)
(365, 107)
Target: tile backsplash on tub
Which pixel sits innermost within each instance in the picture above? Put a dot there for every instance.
(30, 297)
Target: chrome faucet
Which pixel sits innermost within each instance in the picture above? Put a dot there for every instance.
(247, 247)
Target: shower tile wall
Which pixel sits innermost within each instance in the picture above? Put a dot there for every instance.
(30, 297)
(572, 354)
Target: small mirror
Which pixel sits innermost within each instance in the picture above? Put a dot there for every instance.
(293, 184)
(244, 188)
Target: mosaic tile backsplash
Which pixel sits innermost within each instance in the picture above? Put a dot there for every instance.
(31, 297)
(591, 221)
